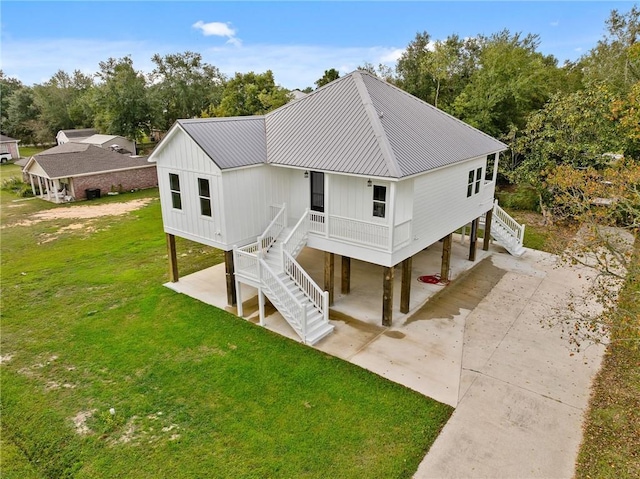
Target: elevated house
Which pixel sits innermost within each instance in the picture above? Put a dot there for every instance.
(75, 171)
(357, 168)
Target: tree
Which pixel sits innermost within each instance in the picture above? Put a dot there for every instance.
(183, 87)
(251, 94)
(607, 206)
(615, 61)
(328, 77)
(58, 103)
(8, 86)
(512, 80)
(122, 104)
(22, 116)
(410, 68)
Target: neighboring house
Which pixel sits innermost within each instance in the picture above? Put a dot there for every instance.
(9, 146)
(68, 172)
(65, 136)
(357, 168)
(116, 143)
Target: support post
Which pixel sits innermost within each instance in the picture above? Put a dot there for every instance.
(387, 296)
(487, 229)
(173, 258)
(346, 275)
(329, 275)
(405, 291)
(261, 306)
(473, 239)
(230, 277)
(446, 257)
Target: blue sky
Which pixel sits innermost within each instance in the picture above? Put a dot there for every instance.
(296, 40)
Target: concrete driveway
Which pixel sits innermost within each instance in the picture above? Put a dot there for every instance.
(476, 344)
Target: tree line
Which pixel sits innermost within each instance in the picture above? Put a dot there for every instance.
(548, 114)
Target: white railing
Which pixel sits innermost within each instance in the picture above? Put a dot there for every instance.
(507, 222)
(245, 260)
(294, 311)
(371, 234)
(278, 223)
(317, 296)
(298, 236)
(402, 234)
(317, 222)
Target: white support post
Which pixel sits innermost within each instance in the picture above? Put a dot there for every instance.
(240, 310)
(261, 305)
(33, 187)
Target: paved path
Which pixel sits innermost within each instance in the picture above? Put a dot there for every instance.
(522, 393)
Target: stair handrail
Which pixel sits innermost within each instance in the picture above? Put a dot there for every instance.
(307, 285)
(293, 310)
(507, 222)
(298, 233)
(278, 223)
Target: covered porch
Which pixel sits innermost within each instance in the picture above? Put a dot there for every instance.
(56, 190)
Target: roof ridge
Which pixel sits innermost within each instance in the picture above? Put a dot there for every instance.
(378, 129)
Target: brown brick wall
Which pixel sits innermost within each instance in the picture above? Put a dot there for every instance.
(129, 179)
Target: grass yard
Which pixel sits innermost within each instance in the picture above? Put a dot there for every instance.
(611, 447)
(87, 326)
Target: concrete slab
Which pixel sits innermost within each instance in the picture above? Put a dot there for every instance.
(477, 344)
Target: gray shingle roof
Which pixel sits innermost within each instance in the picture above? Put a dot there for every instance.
(7, 139)
(79, 133)
(229, 142)
(92, 159)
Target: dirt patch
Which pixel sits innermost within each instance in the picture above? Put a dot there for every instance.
(85, 212)
(80, 421)
(465, 292)
(6, 358)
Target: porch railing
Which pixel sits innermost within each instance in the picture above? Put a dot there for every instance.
(507, 222)
(317, 223)
(318, 297)
(245, 260)
(278, 223)
(402, 234)
(284, 300)
(296, 240)
(359, 231)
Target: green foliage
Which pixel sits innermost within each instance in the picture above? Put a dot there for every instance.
(122, 104)
(328, 77)
(251, 94)
(523, 198)
(16, 186)
(183, 86)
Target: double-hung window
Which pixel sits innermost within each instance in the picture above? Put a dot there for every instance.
(379, 201)
(473, 183)
(174, 186)
(205, 197)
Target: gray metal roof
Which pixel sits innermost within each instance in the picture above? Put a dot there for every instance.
(357, 124)
(230, 142)
(92, 159)
(79, 133)
(363, 125)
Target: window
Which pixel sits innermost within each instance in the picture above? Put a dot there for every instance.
(174, 186)
(379, 200)
(473, 183)
(205, 197)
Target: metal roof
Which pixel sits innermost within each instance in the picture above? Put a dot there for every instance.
(357, 124)
(231, 142)
(92, 159)
(78, 133)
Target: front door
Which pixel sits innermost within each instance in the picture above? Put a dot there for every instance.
(317, 191)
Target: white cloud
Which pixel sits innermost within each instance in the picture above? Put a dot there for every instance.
(218, 29)
(393, 56)
(579, 49)
(555, 23)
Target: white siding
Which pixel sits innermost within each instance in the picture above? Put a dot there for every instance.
(404, 201)
(184, 158)
(350, 197)
(248, 194)
(441, 204)
(299, 192)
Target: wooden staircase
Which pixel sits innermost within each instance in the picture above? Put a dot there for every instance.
(270, 265)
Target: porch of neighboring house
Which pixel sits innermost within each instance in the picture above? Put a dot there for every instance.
(55, 190)
(434, 349)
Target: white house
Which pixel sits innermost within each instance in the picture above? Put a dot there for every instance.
(357, 168)
(65, 136)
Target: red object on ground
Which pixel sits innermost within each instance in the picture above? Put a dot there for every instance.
(431, 279)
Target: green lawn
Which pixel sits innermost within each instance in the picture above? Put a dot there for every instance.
(87, 326)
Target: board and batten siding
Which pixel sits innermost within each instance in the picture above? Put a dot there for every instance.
(441, 204)
(184, 157)
(248, 194)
